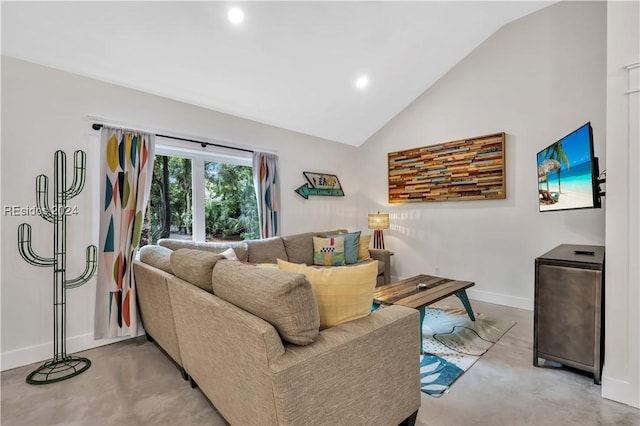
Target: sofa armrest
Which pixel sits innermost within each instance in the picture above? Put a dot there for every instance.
(152, 294)
(364, 371)
(384, 256)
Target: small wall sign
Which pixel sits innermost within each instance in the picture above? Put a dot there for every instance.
(320, 184)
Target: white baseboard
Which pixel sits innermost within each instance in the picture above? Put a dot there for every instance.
(489, 297)
(620, 391)
(44, 351)
(501, 299)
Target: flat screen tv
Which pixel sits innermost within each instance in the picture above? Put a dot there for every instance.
(568, 173)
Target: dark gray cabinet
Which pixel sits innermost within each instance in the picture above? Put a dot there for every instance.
(568, 319)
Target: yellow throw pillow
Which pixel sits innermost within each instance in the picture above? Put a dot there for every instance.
(343, 293)
(363, 248)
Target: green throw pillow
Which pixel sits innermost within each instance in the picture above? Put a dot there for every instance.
(351, 246)
(328, 251)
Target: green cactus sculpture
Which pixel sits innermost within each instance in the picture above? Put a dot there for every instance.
(61, 366)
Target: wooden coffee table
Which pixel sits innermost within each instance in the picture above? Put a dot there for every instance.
(407, 293)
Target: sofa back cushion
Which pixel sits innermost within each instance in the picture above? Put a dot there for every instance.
(239, 247)
(195, 266)
(266, 250)
(299, 247)
(336, 231)
(344, 293)
(283, 299)
(157, 256)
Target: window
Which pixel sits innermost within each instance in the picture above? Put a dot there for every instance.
(230, 205)
(200, 195)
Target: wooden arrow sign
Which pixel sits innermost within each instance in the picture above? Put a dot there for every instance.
(320, 184)
(305, 191)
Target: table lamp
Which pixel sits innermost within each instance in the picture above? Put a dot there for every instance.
(378, 222)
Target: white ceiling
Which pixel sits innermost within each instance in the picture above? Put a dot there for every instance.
(289, 64)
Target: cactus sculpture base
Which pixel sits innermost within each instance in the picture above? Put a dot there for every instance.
(56, 370)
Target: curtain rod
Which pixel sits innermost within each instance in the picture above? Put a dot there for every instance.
(98, 126)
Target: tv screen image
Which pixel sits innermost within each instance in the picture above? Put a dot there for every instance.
(568, 173)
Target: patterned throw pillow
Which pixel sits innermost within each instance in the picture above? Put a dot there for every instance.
(343, 294)
(328, 251)
(351, 246)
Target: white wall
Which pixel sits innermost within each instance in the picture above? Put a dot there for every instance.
(621, 376)
(536, 79)
(44, 110)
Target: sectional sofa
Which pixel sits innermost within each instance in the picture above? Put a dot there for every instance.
(250, 338)
(297, 248)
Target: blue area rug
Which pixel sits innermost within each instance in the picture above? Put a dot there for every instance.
(452, 343)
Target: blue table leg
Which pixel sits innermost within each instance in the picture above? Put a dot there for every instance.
(421, 319)
(462, 295)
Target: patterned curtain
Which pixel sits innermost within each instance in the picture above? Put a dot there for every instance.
(265, 180)
(126, 169)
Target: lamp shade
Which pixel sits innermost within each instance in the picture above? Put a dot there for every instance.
(378, 221)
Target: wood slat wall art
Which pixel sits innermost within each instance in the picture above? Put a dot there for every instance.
(468, 169)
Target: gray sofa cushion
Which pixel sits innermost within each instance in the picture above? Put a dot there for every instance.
(283, 299)
(195, 266)
(239, 247)
(299, 247)
(266, 250)
(157, 256)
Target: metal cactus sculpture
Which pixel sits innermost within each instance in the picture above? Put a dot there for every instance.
(61, 366)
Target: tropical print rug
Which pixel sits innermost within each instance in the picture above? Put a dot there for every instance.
(452, 343)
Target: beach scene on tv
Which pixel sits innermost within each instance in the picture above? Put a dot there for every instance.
(565, 173)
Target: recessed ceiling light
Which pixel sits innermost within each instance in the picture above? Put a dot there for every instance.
(235, 15)
(362, 82)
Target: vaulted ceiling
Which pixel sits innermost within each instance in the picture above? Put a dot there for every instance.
(288, 64)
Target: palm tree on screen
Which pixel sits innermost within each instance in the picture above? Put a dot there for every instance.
(555, 152)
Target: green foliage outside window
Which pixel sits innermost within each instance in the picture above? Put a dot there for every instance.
(230, 203)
